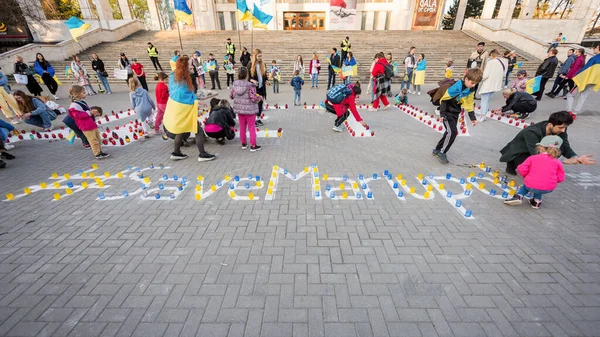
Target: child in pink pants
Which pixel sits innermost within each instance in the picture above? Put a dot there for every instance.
(162, 97)
(245, 105)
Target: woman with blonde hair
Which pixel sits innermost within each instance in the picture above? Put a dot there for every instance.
(492, 81)
(520, 103)
(258, 76)
(142, 103)
(314, 67)
(181, 113)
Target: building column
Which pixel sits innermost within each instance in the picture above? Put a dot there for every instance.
(584, 11)
(488, 9)
(154, 19)
(527, 9)
(105, 14)
(460, 15)
(86, 10)
(506, 11)
(125, 10)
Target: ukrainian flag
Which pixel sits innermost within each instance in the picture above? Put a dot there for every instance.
(77, 27)
(533, 85)
(183, 12)
(589, 74)
(243, 13)
(181, 113)
(260, 19)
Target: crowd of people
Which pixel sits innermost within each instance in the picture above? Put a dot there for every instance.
(532, 152)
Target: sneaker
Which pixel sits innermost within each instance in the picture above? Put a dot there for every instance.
(511, 172)
(419, 93)
(55, 97)
(102, 155)
(442, 157)
(86, 146)
(574, 115)
(385, 107)
(8, 147)
(15, 121)
(372, 108)
(515, 200)
(524, 115)
(147, 135)
(7, 156)
(47, 130)
(435, 152)
(221, 141)
(437, 111)
(206, 157)
(2, 164)
(255, 148)
(549, 94)
(515, 115)
(535, 203)
(244, 146)
(338, 128)
(164, 137)
(178, 156)
(477, 98)
(259, 122)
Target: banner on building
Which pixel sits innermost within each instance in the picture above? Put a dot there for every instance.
(427, 14)
(342, 14)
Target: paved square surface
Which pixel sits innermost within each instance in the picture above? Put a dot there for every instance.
(289, 262)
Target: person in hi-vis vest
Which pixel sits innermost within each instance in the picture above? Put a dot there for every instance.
(230, 49)
(345, 47)
(153, 53)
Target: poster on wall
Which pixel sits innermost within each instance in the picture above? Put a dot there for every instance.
(427, 14)
(343, 14)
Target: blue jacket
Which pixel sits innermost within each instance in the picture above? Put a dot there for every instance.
(141, 102)
(297, 82)
(564, 69)
(40, 107)
(352, 62)
(40, 71)
(422, 65)
(4, 82)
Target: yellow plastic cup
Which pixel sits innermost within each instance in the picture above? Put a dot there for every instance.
(10, 196)
(441, 186)
(27, 190)
(325, 176)
(56, 196)
(43, 185)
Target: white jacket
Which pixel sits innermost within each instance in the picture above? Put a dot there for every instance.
(493, 75)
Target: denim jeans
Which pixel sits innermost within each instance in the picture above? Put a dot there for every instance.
(373, 84)
(552, 45)
(315, 80)
(510, 70)
(275, 86)
(43, 120)
(485, 102)
(347, 80)
(298, 96)
(104, 81)
(409, 74)
(537, 194)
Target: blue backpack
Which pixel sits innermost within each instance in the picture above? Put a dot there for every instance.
(338, 93)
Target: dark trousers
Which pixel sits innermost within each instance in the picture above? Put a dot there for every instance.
(342, 118)
(562, 84)
(214, 77)
(260, 110)
(450, 121)
(538, 95)
(70, 123)
(523, 108)
(221, 134)
(511, 166)
(344, 55)
(230, 78)
(50, 83)
(183, 136)
(194, 76)
(330, 79)
(155, 63)
(142, 80)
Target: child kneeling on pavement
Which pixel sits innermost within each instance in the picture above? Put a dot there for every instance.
(221, 121)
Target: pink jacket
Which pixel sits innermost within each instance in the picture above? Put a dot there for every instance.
(520, 84)
(79, 110)
(542, 172)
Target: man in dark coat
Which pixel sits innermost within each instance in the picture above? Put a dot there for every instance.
(546, 70)
(524, 143)
(335, 61)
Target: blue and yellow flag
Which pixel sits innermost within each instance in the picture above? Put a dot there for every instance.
(260, 19)
(533, 85)
(243, 13)
(77, 27)
(181, 113)
(71, 137)
(589, 74)
(183, 12)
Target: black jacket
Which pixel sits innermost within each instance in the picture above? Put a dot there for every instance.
(98, 65)
(336, 60)
(245, 59)
(519, 97)
(547, 68)
(525, 140)
(221, 116)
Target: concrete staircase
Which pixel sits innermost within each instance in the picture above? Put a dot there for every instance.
(284, 46)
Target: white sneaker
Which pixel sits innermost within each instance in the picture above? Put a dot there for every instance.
(338, 128)
(437, 111)
(15, 121)
(372, 109)
(9, 147)
(419, 93)
(55, 97)
(385, 107)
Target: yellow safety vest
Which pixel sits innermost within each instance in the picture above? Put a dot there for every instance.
(345, 45)
(152, 52)
(230, 48)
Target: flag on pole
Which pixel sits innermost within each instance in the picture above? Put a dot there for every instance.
(533, 85)
(183, 12)
(260, 19)
(77, 27)
(243, 13)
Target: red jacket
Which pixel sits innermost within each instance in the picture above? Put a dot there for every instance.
(162, 93)
(379, 67)
(348, 103)
(577, 64)
(138, 69)
(310, 64)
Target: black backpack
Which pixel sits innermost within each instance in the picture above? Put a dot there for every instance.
(388, 70)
